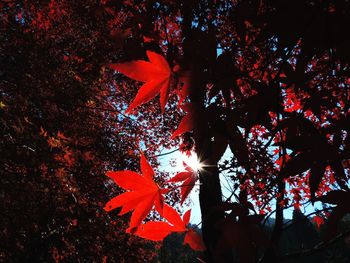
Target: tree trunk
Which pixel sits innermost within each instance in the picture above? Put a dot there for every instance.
(210, 195)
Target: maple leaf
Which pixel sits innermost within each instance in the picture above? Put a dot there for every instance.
(143, 193)
(156, 74)
(318, 221)
(188, 177)
(186, 123)
(157, 231)
(194, 240)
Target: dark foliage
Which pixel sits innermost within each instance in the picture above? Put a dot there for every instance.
(268, 80)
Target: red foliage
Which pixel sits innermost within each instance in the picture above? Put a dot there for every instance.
(143, 194)
(188, 179)
(156, 74)
(273, 92)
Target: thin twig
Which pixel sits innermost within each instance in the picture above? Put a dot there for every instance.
(162, 154)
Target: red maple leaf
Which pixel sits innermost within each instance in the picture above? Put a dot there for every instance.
(187, 122)
(194, 240)
(157, 231)
(155, 72)
(318, 221)
(143, 193)
(188, 177)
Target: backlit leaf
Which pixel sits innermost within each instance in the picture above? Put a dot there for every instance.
(155, 73)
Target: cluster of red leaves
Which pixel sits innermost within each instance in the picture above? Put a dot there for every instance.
(54, 146)
(142, 195)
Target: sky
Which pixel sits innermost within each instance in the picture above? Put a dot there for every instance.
(193, 197)
(177, 157)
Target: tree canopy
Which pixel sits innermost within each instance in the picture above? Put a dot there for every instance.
(105, 87)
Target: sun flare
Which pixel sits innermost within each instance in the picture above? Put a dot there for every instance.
(192, 161)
